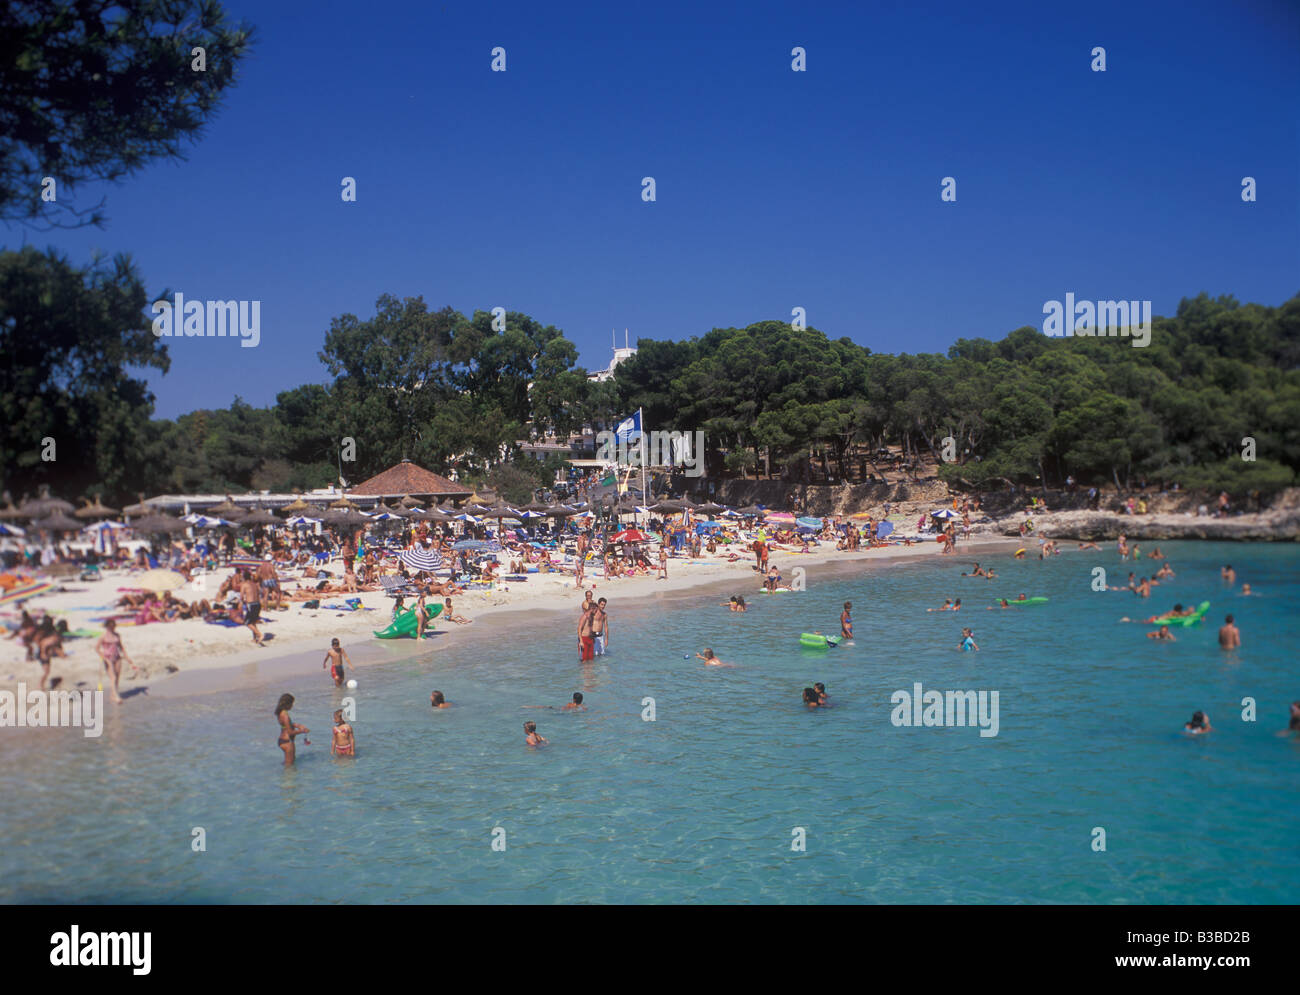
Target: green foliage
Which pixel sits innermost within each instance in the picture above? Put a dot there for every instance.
(97, 90)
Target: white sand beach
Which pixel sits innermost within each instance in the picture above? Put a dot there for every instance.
(227, 655)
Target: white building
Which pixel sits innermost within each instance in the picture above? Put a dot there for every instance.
(619, 355)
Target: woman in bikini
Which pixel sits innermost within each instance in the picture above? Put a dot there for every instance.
(112, 652)
(287, 729)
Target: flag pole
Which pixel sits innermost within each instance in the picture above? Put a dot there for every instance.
(644, 452)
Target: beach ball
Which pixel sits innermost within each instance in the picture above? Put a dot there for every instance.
(352, 685)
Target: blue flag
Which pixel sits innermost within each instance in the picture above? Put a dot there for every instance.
(629, 429)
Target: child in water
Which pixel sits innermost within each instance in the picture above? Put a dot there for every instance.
(822, 696)
(438, 700)
(968, 640)
(708, 657)
(345, 740)
(1199, 725)
(810, 698)
(575, 705)
(531, 736)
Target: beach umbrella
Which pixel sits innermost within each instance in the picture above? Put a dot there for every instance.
(45, 506)
(160, 579)
(343, 502)
(227, 507)
(259, 516)
(883, 529)
(560, 511)
(538, 506)
(711, 508)
(781, 518)
(668, 507)
(244, 561)
(302, 520)
(944, 513)
(465, 517)
(470, 544)
(629, 535)
(437, 515)
(387, 516)
(9, 512)
(295, 507)
(409, 502)
(158, 524)
(397, 511)
(58, 522)
(809, 523)
(528, 515)
(96, 510)
(421, 559)
(752, 510)
(141, 507)
(10, 530)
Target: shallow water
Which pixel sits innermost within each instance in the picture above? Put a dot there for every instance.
(700, 804)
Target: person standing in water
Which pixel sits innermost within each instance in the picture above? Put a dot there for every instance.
(846, 621)
(287, 729)
(600, 628)
(586, 641)
(334, 658)
(531, 735)
(345, 740)
(1229, 635)
(111, 651)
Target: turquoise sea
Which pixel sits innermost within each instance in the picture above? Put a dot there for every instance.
(701, 804)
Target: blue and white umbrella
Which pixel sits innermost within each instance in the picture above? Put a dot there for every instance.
(945, 513)
(809, 523)
(301, 520)
(14, 530)
(422, 559)
(530, 514)
(470, 544)
(467, 518)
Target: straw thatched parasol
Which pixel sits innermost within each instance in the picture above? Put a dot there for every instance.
(227, 508)
(343, 502)
(45, 505)
(158, 524)
(410, 502)
(10, 511)
(140, 508)
(259, 516)
(57, 522)
(96, 510)
(296, 507)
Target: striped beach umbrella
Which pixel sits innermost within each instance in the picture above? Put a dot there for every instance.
(421, 559)
(22, 592)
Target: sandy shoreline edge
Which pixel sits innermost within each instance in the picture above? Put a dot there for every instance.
(210, 658)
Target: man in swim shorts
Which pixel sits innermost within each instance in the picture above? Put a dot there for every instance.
(249, 595)
(334, 658)
(600, 628)
(586, 642)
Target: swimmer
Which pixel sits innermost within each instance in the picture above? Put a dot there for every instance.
(1199, 725)
(575, 705)
(1155, 554)
(345, 740)
(1246, 591)
(438, 700)
(708, 657)
(1228, 574)
(1088, 545)
(334, 658)
(976, 571)
(1002, 603)
(956, 605)
(1229, 635)
(1163, 634)
(822, 696)
(968, 640)
(946, 607)
(1294, 724)
(531, 736)
(810, 698)
(846, 621)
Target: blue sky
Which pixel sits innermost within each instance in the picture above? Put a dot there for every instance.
(775, 189)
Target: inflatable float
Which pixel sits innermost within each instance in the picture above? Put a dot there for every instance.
(405, 623)
(1023, 601)
(779, 590)
(1184, 620)
(815, 640)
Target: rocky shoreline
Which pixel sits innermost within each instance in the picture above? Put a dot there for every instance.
(1277, 525)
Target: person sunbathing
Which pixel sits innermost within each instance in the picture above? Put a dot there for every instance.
(449, 614)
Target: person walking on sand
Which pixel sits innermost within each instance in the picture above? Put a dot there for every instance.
(287, 729)
(663, 562)
(334, 659)
(250, 598)
(112, 652)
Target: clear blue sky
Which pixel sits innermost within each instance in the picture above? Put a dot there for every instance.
(776, 189)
